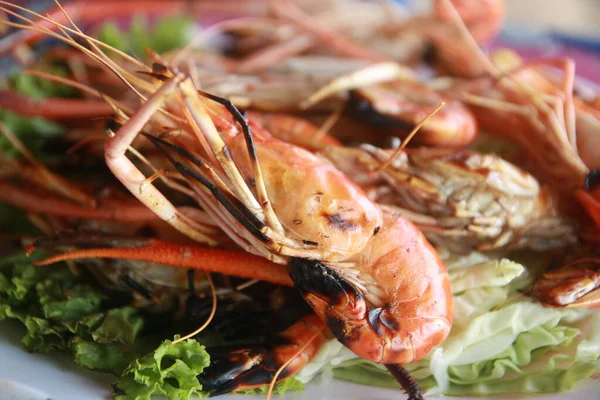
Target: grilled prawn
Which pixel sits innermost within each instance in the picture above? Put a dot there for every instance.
(460, 198)
(365, 270)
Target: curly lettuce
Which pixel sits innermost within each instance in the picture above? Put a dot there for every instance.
(170, 370)
(63, 311)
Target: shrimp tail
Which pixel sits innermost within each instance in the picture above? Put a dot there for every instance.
(240, 367)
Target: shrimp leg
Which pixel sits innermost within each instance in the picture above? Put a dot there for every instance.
(177, 255)
(133, 179)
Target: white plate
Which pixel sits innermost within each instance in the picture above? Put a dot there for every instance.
(25, 376)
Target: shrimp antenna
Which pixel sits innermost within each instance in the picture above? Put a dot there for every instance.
(328, 124)
(409, 137)
(63, 36)
(213, 311)
(470, 40)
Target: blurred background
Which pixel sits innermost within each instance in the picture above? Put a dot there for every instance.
(577, 16)
(549, 29)
(535, 28)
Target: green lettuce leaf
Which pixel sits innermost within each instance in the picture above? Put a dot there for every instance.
(39, 88)
(63, 311)
(34, 132)
(492, 273)
(99, 356)
(167, 34)
(170, 370)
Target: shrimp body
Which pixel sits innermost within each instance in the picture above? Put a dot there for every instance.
(405, 308)
(314, 201)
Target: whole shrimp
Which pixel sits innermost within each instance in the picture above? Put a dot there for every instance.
(348, 246)
(461, 199)
(365, 270)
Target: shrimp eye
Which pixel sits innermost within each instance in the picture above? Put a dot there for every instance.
(592, 179)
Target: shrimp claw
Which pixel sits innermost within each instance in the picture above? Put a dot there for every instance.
(574, 286)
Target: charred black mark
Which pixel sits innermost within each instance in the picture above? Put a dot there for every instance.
(225, 201)
(191, 274)
(257, 377)
(147, 232)
(251, 182)
(137, 287)
(430, 54)
(223, 375)
(592, 179)
(310, 243)
(312, 276)
(376, 230)
(159, 68)
(362, 110)
(161, 144)
(154, 75)
(233, 367)
(338, 222)
(338, 328)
